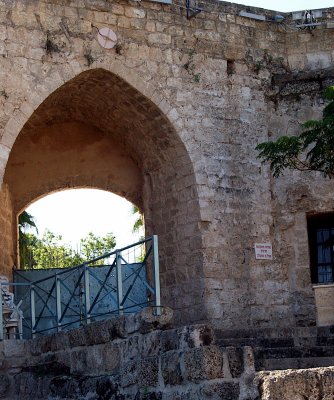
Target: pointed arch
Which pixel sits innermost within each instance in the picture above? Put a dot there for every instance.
(118, 134)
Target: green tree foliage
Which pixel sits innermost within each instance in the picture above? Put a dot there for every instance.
(138, 226)
(311, 150)
(49, 252)
(26, 239)
(93, 246)
(26, 221)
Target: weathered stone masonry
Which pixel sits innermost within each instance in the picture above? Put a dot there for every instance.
(124, 358)
(183, 105)
(143, 358)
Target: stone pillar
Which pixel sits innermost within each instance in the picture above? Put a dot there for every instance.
(6, 232)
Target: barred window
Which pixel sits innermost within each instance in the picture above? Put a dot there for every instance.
(321, 242)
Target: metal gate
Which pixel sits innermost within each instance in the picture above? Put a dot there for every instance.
(123, 281)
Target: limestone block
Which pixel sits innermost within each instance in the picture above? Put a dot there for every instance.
(169, 340)
(300, 384)
(132, 324)
(77, 337)
(159, 38)
(148, 372)
(196, 336)
(63, 387)
(117, 9)
(235, 360)
(79, 361)
(319, 60)
(150, 26)
(171, 368)
(107, 386)
(221, 390)
(149, 344)
(129, 348)
(203, 363)
(324, 300)
(4, 153)
(95, 356)
(111, 357)
(116, 327)
(150, 321)
(61, 341)
(14, 348)
(129, 373)
(40, 345)
(132, 12)
(63, 357)
(4, 385)
(97, 333)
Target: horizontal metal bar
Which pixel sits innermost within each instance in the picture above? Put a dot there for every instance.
(15, 284)
(309, 25)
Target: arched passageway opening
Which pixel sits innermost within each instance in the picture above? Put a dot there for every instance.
(69, 227)
(98, 131)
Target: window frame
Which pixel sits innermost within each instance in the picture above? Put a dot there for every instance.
(317, 221)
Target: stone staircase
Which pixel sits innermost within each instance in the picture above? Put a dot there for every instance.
(299, 348)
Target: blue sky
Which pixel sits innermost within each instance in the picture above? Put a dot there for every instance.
(285, 5)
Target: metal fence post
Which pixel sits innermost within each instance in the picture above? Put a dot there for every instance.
(119, 282)
(1, 314)
(32, 311)
(58, 303)
(156, 272)
(87, 294)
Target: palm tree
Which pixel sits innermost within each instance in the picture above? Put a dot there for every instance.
(138, 227)
(139, 223)
(26, 240)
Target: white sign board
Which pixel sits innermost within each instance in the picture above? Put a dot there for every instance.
(263, 251)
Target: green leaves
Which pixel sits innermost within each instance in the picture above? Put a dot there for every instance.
(50, 252)
(26, 221)
(138, 226)
(93, 246)
(312, 150)
(281, 154)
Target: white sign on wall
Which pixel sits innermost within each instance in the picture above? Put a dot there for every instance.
(263, 251)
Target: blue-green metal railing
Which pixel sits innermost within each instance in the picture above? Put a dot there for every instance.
(95, 290)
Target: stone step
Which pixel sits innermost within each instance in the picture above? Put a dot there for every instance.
(305, 331)
(255, 342)
(273, 364)
(293, 357)
(277, 342)
(270, 338)
(295, 352)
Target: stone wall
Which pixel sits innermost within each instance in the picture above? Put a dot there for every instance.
(211, 88)
(136, 357)
(142, 357)
(6, 232)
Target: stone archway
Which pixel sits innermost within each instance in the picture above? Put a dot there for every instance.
(97, 130)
